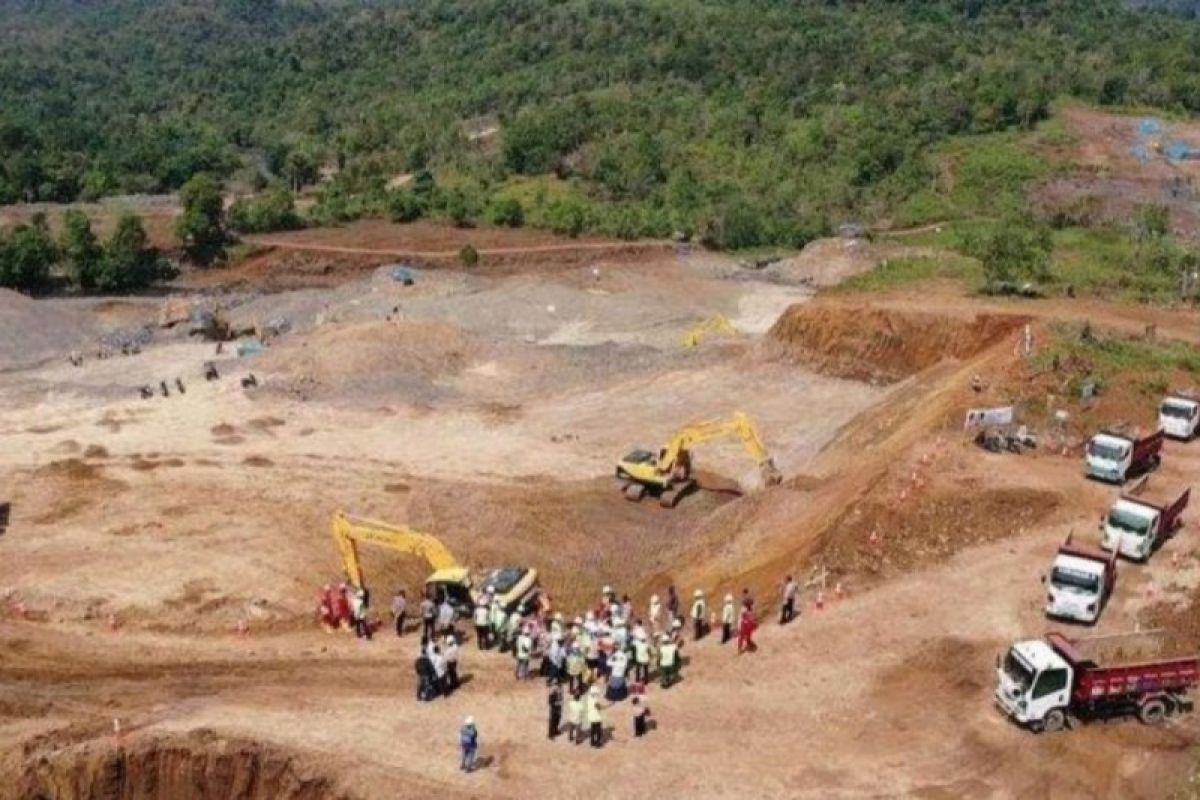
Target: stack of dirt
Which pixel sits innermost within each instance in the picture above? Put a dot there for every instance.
(879, 345)
(35, 330)
(399, 360)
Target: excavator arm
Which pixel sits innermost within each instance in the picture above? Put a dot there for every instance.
(348, 531)
(739, 425)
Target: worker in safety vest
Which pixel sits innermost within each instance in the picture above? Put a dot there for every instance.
(524, 651)
(498, 618)
(480, 618)
(595, 718)
(668, 661)
(641, 658)
(654, 614)
(728, 618)
(575, 669)
(699, 613)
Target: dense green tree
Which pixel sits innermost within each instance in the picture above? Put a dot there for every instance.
(26, 255)
(80, 248)
(506, 211)
(129, 261)
(1016, 250)
(201, 227)
(274, 210)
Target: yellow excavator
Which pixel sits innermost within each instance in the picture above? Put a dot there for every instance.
(717, 324)
(510, 585)
(669, 474)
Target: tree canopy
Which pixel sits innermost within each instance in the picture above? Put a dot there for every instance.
(745, 121)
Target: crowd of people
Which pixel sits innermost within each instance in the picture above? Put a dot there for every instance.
(601, 657)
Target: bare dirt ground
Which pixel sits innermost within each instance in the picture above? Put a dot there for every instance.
(163, 554)
(1116, 166)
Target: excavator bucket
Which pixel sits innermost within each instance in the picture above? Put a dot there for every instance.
(771, 476)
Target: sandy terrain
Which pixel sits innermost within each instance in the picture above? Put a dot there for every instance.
(164, 553)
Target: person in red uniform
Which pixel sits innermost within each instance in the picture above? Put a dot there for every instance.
(746, 628)
(325, 608)
(341, 607)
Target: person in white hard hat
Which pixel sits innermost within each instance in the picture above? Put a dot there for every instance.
(468, 742)
(728, 617)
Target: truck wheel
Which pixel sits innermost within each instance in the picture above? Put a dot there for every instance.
(1152, 712)
(1054, 721)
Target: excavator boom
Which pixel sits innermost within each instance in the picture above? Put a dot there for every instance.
(348, 531)
(670, 473)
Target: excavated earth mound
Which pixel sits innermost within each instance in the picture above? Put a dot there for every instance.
(199, 766)
(879, 345)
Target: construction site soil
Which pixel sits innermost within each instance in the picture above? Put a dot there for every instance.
(163, 553)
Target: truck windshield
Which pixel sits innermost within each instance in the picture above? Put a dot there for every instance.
(503, 579)
(1129, 523)
(1016, 671)
(1176, 411)
(1075, 580)
(1108, 452)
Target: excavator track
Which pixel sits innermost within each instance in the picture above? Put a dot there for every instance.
(670, 497)
(633, 492)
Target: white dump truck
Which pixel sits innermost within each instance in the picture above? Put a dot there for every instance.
(1179, 416)
(1136, 526)
(1116, 457)
(1080, 581)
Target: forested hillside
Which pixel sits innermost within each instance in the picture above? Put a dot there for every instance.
(749, 121)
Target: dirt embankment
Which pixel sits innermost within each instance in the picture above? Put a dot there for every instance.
(198, 766)
(879, 345)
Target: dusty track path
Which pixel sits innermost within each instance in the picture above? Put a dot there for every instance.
(400, 252)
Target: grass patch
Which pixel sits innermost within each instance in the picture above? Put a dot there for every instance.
(1150, 365)
(895, 272)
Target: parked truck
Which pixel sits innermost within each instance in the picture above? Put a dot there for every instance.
(1179, 416)
(1079, 583)
(1115, 457)
(1042, 683)
(1136, 526)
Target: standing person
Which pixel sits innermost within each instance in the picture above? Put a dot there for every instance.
(699, 612)
(626, 607)
(641, 716)
(575, 713)
(468, 742)
(575, 669)
(788, 612)
(668, 661)
(747, 598)
(641, 658)
(325, 610)
(480, 617)
(554, 660)
(498, 618)
(445, 617)
(399, 611)
(439, 670)
(728, 617)
(655, 614)
(746, 626)
(524, 651)
(618, 664)
(555, 703)
(358, 609)
(428, 615)
(424, 668)
(595, 718)
(341, 606)
(451, 657)
(672, 603)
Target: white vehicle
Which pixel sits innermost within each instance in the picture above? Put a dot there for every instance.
(1136, 526)
(1079, 583)
(1179, 416)
(1042, 683)
(1115, 457)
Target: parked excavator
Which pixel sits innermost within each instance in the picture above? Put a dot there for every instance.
(669, 474)
(716, 324)
(512, 585)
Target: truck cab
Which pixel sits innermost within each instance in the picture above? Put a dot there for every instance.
(1179, 416)
(1109, 457)
(1131, 529)
(1079, 584)
(1033, 685)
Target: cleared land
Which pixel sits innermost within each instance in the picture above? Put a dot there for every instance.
(164, 553)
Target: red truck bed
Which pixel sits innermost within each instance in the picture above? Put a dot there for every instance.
(1148, 446)
(1098, 683)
